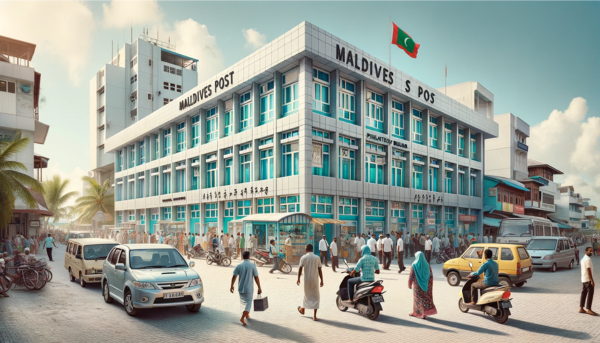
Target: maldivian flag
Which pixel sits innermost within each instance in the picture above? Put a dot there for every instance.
(405, 42)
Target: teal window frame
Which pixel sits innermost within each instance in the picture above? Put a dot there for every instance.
(290, 159)
(448, 214)
(289, 204)
(131, 215)
(417, 126)
(291, 94)
(473, 147)
(397, 173)
(180, 212)
(374, 172)
(461, 183)
(180, 180)
(321, 204)
(195, 211)
(398, 119)
(195, 131)
(267, 164)
(417, 177)
(417, 212)
(132, 156)
(142, 152)
(229, 209)
(433, 132)
(472, 186)
(375, 209)
(322, 92)
(228, 171)
(244, 207)
(246, 168)
(228, 124)
(212, 125)
(461, 143)
(374, 117)
(348, 206)
(398, 210)
(167, 142)
(212, 176)
(166, 182)
(120, 161)
(181, 141)
(211, 210)
(433, 178)
(347, 164)
(448, 137)
(246, 112)
(155, 180)
(448, 181)
(324, 171)
(265, 205)
(131, 188)
(347, 103)
(166, 212)
(320, 133)
(156, 150)
(267, 108)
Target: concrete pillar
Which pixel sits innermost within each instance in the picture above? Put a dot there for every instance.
(236, 113)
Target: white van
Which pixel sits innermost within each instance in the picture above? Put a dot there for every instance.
(84, 258)
(551, 252)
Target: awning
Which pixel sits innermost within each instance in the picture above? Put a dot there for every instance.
(41, 208)
(40, 133)
(292, 218)
(171, 222)
(560, 224)
(491, 222)
(508, 182)
(323, 221)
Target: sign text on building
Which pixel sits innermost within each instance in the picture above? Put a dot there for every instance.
(386, 141)
(207, 91)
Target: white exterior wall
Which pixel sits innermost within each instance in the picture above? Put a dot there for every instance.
(504, 158)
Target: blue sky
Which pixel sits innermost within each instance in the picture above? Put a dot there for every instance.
(534, 56)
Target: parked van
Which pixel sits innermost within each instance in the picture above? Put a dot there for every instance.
(551, 252)
(79, 234)
(84, 258)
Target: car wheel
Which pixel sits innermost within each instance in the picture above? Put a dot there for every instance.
(71, 276)
(128, 304)
(105, 294)
(571, 264)
(193, 308)
(504, 282)
(453, 279)
(520, 284)
(553, 268)
(82, 282)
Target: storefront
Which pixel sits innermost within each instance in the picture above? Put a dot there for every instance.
(467, 223)
(398, 217)
(375, 217)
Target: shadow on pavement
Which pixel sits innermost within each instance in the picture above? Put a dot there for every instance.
(473, 328)
(410, 323)
(526, 290)
(276, 331)
(548, 330)
(342, 325)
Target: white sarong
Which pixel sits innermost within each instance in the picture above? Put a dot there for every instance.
(310, 264)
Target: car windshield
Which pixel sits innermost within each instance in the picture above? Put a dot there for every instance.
(97, 251)
(155, 258)
(86, 235)
(542, 244)
(518, 228)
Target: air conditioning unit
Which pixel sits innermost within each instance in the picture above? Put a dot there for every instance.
(133, 118)
(149, 96)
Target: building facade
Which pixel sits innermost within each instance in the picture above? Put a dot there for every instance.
(310, 124)
(540, 201)
(141, 78)
(506, 155)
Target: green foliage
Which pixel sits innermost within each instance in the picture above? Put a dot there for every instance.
(98, 197)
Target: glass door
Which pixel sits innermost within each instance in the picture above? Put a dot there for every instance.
(259, 231)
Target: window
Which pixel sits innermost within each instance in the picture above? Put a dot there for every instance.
(433, 179)
(398, 210)
(195, 209)
(289, 204)
(166, 84)
(228, 209)
(347, 164)
(374, 164)
(320, 133)
(461, 143)
(180, 177)
(461, 181)
(246, 168)
(196, 174)
(119, 190)
(323, 169)
(212, 125)
(473, 148)
(181, 141)
(166, 69)
(347, 111)
(211, 172)
(133, 79)
(417, 177)
(448, 181)
(320, 102)
(433, 132)
(132, 156)
(211, 210)
(180, 212)
(417, 124)
(246, 113)
(417, 212)
(266, 205)
(398, 119)
(156, 188)
(195, 131)
(228, 169)
(375, 208)
(142, 153)
(228, 123)
(506, 254)
(472, 185)
(374, 117)
(156, 141)
(178, 88)
(165, 101)
(172, 86)
(166, 213)
(397, 173)
(266, 165)
(166, 175)
(167, 142)
(133, 62)
(244, 207)
(267, 102)
(348, 207)
(321, 204)
(141, 186)
(290, 163)
(290, 93)
(6, 86)
(131, 191)
(448, 137)
(289, 134)
(448, 213)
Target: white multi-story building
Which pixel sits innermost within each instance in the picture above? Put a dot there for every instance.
(19, 99)
(307, 124)
(570, 207)
(506, 155)
(142, 77)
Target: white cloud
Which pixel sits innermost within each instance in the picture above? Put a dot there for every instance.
(570, 142)
(74, 176)
(63, 30)
(193, 39)
(121, 14)
(254, 39)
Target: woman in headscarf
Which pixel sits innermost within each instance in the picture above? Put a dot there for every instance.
(421, 282)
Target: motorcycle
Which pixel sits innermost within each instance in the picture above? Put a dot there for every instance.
(494, 301)
(219, 258)
(196, 252)
(367, 298)
(261, 257)
(446, 253)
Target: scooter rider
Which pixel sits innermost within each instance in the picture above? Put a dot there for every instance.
(368, 266)
(490, 268)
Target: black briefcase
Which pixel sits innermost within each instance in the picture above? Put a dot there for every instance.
(260, 303)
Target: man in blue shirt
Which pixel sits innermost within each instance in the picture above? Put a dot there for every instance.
(246, 271)
(48, 242)
(274, 255)
(368, 266)
(490, 268)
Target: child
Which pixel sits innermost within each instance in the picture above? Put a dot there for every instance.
(576, 253)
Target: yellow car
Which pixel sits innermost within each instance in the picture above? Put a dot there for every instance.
(514, 264)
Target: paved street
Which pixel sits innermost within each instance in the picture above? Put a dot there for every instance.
(545, 309)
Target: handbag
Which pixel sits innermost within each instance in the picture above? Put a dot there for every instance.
(260, 303)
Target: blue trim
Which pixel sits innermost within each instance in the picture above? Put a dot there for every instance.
(246, 129)
(417, 142)
(397, 136)
(266, 122)
(180, 55)
(321, 215)
(322, 113)
(347, 121)
(353, 218)
(374, 129)
(283, 115)
(374, 219)
(211, 220)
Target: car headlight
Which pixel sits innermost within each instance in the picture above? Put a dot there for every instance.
(195, 282)
(548, 257)
(143, 285)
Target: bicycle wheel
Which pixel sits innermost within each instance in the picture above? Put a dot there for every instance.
(29, 279)
(40, 282)
(7, 283)
(48, 274)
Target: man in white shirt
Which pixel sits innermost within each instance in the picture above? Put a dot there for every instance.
(436, 245)
(485, 239)
(380, 249)
(360, 241)
(587, 280)
(323, 245)
(334, 254)
(445, 240)
(288, 248)
(372, 243)
(400, 250)
(250, 245)
(388, 246)
(352, 247)
(428, 245)
(231, 243)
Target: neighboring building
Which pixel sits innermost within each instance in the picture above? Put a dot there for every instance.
(506, 155)
(590, 214)
(311, 124)
(19, 111)
(503, 198)
(540, 201)
(569, 207)
(142, 77)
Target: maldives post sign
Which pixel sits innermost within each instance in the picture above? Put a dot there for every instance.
(405, 42)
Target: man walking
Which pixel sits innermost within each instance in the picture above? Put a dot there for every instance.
(226, 245)
(587, 279)
(388, 246)
(323, 245)
(237, 243)
(288, 248)
(250, 245)
(334, 254)
(48, 242)
(352, 249)
(360, 241)
(406, 240)
(436, 245)
(311, 265)
(380, 249)
(231, 245)
(394, 237)
(242, 243)
(246, 271)
(428, 245)
(399, 248)
(422, 242)
(372, 243)
(273, 254)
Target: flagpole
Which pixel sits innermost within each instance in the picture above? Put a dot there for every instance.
(445, 75)
(390, 41)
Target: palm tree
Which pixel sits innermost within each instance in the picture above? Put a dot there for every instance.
(98, 197)
(54, 194)
(13, 183)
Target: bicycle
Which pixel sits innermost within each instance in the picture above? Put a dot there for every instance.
(28, 277)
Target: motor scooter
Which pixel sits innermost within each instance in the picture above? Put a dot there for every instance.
(367, 298)
(446, 253)
(494, 300)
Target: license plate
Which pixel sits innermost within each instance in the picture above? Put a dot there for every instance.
(526, 269)
(377, 299)
(506, 304)
(173, 295)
